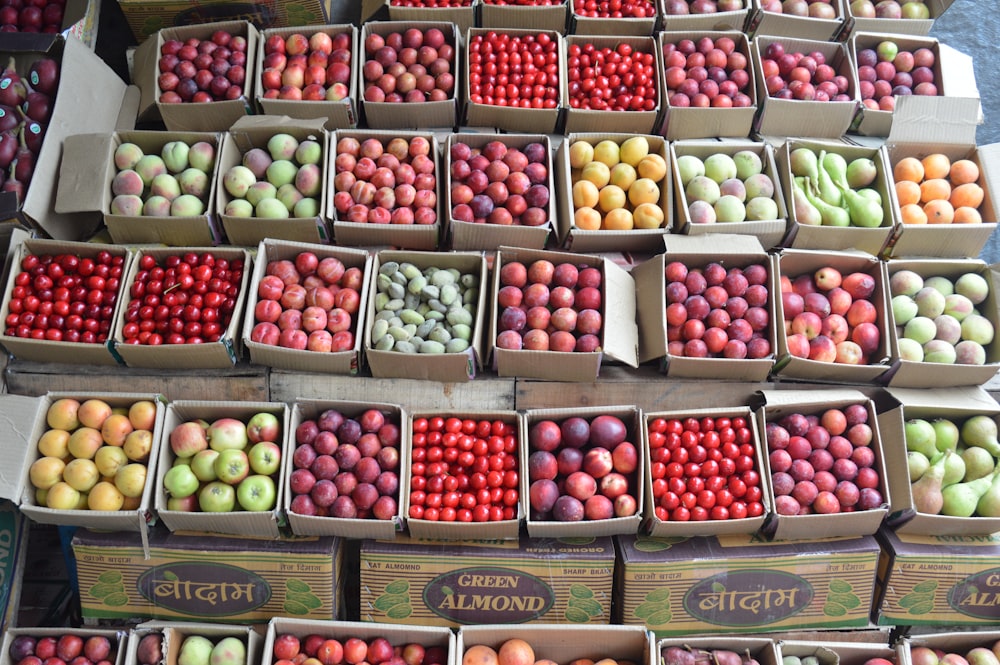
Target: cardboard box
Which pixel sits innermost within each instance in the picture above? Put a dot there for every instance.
(239, 521)
(337, 114)
(254, 132)
(27, 416)
(805, 236)
(507, 529)
(741, 584)
(941, 580)
(913, 374)
(413, 116)
(146, 17)
(651, 302)
(219, 355)
(398, 636)
(568, 643)
(13, 550)
(792, 263)
(469, 235)
(961, 641)
(117, 637)
(546, 526)
(410, 236)
(911, 137)
(953, 76)
(777, 404)
(762, 649)
(85, 82)
(89, 158)
(797, 117)
(618, 27)
(174, 634)
(446, 367)
(230, 580)
(337, 362)
(902, 26)
(695, 123)
(529, 121)
(535, 17)
(619, 332)
(580, 240)
(189, 116)
(359, 527)
(43, 350)
(897, 407)
(769, 232)
(660, 528)
(845, 652)
(448, 583)
(630, 122)
(731, 20)
(762, 23)
(464, 16)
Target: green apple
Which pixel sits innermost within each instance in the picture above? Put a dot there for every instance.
(229, 651)
(231, 466)
(256, 493)
(217, 497)
(265, 457)
(203, 465)
(180, 481)
(195, 650)
(227, 433)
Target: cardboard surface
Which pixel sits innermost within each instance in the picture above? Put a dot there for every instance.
(338, 362)
(229, 580)
(540, 17)
(449, 583)
(741, 584)
(174, 634)
(619, 334)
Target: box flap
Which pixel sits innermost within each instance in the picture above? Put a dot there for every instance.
(965, 397)
(619, 307)
(711, 243)
(777, 398)
(275, 121)
(918, 119)
(17, 415)
(79, 171)
(959, 73)
(129, 110)
(989, 166)
(144, 59)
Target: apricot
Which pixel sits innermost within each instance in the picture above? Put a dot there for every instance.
(480, 654)
(93, 412)
(515, 651)
(53, 443)
(62, 414)
(142, 414)
(115, 429)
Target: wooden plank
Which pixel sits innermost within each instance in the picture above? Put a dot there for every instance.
(244, 382)
(483, 392)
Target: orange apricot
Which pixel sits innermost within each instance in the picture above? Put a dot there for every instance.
(967, 215)
(967, 195)
(939, 211)
(908, 168)
(907, 192)
(480, 654)
(963, 171)
(515, 651)
(934, 189)
(912, 213)
(936, 165)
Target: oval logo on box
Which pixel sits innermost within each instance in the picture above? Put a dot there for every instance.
(488, 595)
(748, 597)
(206, 589)
(257, 13)
(976, 596)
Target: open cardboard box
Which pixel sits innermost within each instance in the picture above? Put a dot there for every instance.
(953, 76)
(798, 117)
(769, 232)
(845, 652)
(464, 16)
(470, 235)
(740, 583)
(912, 136)
(89, 158)
(413, 116)
(775, 405)
(337, 114)
(762, 649)
(27, 419)
(85, 82)
(347, 527)
(792, 263)
(535, 17)
(651, 300)
(696, 123)
(447, 367)
(303, 360)
(118, 637)
(619, 332)
(731, 20)
(44, 350)
(506, 529)
(222, 354)
(920, 374)
(865, 239)
(240, 522)
(763, 23)
(660, 528)
(567, 643)
(254, 132)
(901, 26)
(900, 405)
(174, 633)
(601, 240)
(548, 526)
(410, 236)
(398, 636)
(580, 120)
(529, 121)
(617, 27)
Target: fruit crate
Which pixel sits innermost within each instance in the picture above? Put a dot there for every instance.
(625, 26)
(859, 20)
(734, 16)
(169, 641)
(763, 21)
(437, 644)
(552, 17)
(17, 640)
